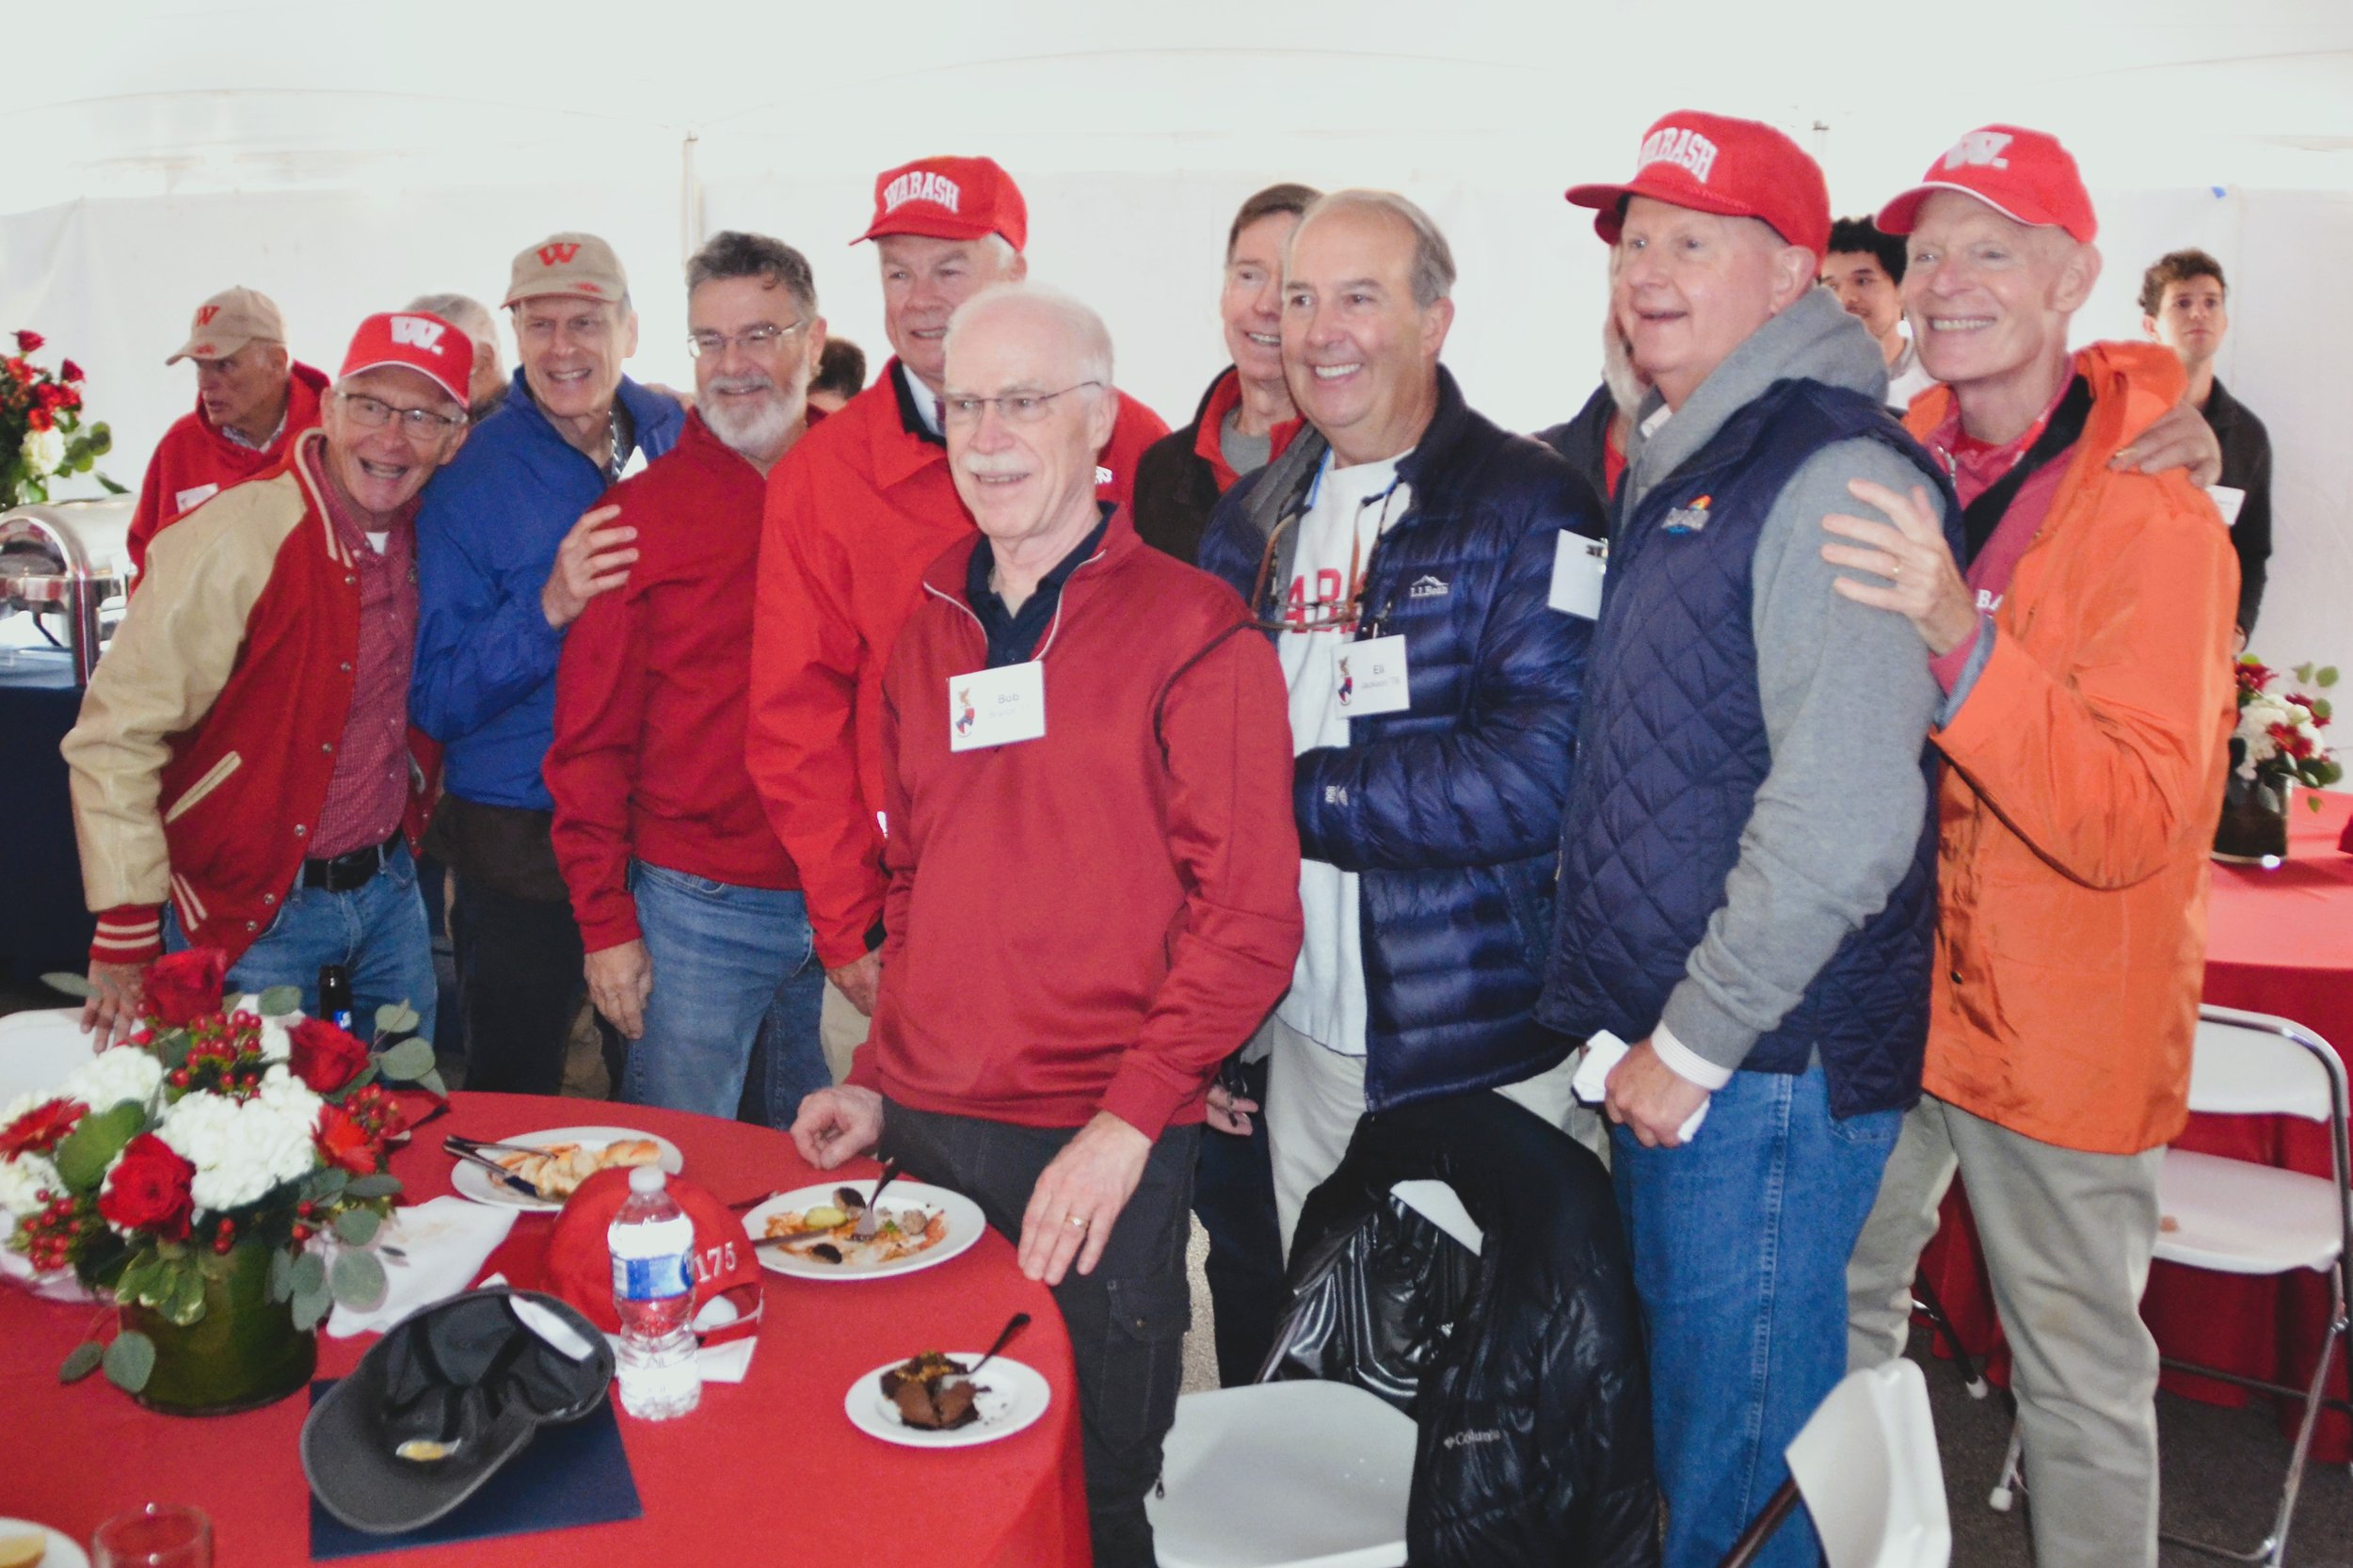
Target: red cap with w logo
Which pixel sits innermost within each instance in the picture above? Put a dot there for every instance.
(580, 265)
(414, 341)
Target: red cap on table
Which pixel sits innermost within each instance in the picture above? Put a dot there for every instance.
(2024, 175)
(580, 1260)
(416, 341)
(1712, 163)
(949, 199)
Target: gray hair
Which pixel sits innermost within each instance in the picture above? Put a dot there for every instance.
(732, 253)
(462, 310)
(1433, 274)
(1089, 339)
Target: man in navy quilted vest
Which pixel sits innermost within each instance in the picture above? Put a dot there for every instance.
(1747, 871)
(1401, 552)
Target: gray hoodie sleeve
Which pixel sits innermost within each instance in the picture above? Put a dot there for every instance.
(1847, 697)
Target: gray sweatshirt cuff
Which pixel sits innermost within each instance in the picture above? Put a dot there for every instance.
(1980, 651)
(1706, 1030)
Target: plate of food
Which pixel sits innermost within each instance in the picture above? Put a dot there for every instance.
(926, 1401)
(815, 1230)
(554, 1163)
(26, 1544)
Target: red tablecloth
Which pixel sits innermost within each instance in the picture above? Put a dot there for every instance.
(2278, 941)
(730, 1483)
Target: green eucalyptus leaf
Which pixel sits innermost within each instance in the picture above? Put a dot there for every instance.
(357, 1278)
(310, 1308)
(431, 1083)
(281, 1275)
(397, 1018)
(82, 1154)
(356, 1227)
(328, 1183)
(83, 1362)
(278, 1001)
(112, 488)
(2325, 676)
(129, 1361)
(72, 984)
(183, 1303)
(407, 1060)
(310, 1274)
(370, 1187)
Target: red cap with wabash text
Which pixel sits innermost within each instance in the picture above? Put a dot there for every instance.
(1712, 163)
(2024, 175)
(949, 199)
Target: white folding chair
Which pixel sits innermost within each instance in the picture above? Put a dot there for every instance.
(39, 1048)
(2236, 1217)
(1302, 1474)
(1866, 1465)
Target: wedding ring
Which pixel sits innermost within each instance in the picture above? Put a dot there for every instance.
(1074, 1222)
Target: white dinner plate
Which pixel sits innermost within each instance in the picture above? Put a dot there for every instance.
(965, 1224)
(472, 1181)
(63, 1552)
(1016, 1396)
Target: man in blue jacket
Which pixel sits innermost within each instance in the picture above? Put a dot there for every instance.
(1403, 552)
(508, 554)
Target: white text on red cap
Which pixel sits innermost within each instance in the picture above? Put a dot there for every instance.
(921, 184)
(419, 332)
(1686, 150)
(1981, 149)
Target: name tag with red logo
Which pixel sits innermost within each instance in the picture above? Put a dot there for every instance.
(995, 707)
(195, 495)
(1373, 677)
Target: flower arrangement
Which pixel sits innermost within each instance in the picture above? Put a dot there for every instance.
(2279, 732)
(207, 1129)
(42, 437)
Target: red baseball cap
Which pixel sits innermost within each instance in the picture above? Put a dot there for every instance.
(417, 341)
(1712, 163)
(2026, 176)
(949, 199)
(580, 1259)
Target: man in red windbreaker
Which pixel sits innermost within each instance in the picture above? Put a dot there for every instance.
(690, 910)
(854, 515)
(251, 401)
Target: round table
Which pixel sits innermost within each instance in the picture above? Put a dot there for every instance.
(731, 1482)
(2278, 941)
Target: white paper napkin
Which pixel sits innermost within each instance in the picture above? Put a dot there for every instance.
(443, 1245)
(728, 1363)
(1603, 1053)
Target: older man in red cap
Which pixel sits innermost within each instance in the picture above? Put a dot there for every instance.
(1750, 903)
(241, 769)
(251, 401)
(2082, 638)
(855, 514)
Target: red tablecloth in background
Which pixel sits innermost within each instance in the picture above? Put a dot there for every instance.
(2278, 941)
(733, 1482)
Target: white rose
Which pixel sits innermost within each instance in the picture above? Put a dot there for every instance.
(241, 1152)
(22, 1179)
(111, 1077)
(43, 450)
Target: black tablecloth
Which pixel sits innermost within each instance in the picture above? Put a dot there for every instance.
(43, 923)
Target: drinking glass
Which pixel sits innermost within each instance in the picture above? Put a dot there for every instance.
(161, 1535)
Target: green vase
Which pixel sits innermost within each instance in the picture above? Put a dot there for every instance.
(243, 1354)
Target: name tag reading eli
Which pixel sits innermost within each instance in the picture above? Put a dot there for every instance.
(995, 707)
(1373, 677)
(1577, 564)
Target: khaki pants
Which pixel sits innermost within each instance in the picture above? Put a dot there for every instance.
(1314, 1097)
(840, 1030)
(2068, 1237)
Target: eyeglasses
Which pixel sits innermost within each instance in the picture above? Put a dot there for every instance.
(1306, 615)
(1012, 408)
(376, 413)
(752, 339)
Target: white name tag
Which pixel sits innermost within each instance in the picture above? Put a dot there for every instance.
(995, 707)
(193, 496)
(2227, 499)
(1577, 566)
(1373, 677)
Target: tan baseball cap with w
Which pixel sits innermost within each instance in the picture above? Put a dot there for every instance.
(228, 321)
(580, 265)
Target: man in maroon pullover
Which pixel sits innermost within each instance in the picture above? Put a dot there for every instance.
(1093, 871)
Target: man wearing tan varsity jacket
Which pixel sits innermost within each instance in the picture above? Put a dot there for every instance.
(243, 772)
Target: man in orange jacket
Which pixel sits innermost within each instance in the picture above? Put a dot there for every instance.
(855, 514)
(2084, 652)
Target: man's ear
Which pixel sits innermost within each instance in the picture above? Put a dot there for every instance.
(629, 337)
(2078, 274)
(1796, 269)
(1436, 322)
(2148, 328)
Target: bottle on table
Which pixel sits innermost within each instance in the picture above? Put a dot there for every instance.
(335, 996)
(652, 1244)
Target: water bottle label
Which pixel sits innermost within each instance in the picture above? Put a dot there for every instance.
(652, 1279)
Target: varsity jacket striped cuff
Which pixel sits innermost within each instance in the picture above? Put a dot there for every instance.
(128, 934)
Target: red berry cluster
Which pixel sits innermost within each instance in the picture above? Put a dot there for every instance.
(225, 1234)
(50, 1235)
(378, 1111)
(224, 1057)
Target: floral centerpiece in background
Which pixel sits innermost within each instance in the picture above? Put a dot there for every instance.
(2278, 745)
(184, 1172)
(42, 436)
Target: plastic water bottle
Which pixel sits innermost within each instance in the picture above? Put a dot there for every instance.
(652, 1244)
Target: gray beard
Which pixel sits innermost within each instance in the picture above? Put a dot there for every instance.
(754, 435)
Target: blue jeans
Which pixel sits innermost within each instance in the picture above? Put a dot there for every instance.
(731, 965)
(1740, 1240)
(376, 930)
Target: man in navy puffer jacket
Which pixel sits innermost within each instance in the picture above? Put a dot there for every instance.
(1403, 550)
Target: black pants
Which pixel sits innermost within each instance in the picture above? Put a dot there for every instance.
(1233, 1195)
(519, 986)
(1127, 1321)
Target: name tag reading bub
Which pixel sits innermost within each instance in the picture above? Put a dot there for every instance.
(995, 707)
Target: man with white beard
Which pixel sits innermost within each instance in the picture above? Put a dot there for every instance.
(690, 909)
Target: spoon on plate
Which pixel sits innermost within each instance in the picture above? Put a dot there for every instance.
(1013, 1325)
(869, 1218)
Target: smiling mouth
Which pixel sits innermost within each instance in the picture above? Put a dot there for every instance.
(1264, 340)
(1959, 324)
(387, 471)
(1334, 373)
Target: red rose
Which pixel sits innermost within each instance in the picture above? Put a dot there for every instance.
(150, 1190)
(69, 371)
(29, 342)
(39, 418)
(324, 1056)
(37, 1130)
(343, 1141)
(185, 986)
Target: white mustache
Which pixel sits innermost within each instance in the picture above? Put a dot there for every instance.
(743, 383)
